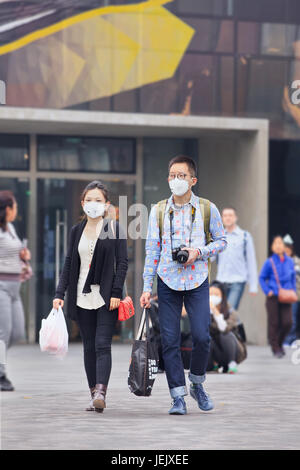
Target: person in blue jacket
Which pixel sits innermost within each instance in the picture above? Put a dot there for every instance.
(279, 314)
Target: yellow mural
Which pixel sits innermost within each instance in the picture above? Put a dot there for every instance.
(96, 54)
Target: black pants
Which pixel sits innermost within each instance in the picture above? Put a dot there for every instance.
(223, 350)
(279, 322)
(96, 329)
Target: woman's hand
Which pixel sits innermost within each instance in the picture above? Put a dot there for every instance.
(114, 303)
(25, 254)
(58, 303)
(214, 310)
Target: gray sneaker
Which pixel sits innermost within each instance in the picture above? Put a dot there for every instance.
(5, 384)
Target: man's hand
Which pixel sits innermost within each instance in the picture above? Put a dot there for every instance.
(145, 300)
(270, 293)
(193, 254)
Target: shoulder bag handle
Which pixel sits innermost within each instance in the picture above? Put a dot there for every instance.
(275, 273)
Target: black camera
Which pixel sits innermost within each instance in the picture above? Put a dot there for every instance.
(180, 255)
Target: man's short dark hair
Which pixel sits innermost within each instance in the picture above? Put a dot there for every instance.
(229, 208)
(187, 160)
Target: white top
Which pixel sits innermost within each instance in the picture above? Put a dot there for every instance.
(221, 322)
(92, 300)
(10, 247)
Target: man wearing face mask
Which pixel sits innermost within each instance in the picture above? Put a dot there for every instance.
(176, 250)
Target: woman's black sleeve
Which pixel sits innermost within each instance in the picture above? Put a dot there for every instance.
(121, 263)
(64, 277)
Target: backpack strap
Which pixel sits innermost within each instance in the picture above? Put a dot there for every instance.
(160, 213)
(205, 212)
(245, 245)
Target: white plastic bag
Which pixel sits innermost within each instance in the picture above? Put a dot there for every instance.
(53, 335)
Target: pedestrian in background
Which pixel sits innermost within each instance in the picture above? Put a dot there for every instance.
(236, 266)
(13, 257)
(93, 275)
(279, 314)
(290, 251)
(227, 349)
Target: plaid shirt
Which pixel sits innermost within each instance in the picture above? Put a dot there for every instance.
(158, 252)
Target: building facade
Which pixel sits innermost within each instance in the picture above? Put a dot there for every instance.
(112, 90)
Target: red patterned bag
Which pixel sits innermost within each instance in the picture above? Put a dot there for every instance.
(126, 309)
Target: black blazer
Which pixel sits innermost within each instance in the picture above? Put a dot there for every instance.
(108, 267)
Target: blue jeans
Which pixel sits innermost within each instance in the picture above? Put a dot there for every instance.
(294, 333)
(234, 291)
(170, 304)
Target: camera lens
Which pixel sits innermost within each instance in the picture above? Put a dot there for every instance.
(182, 256)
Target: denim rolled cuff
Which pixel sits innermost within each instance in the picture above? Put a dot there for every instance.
(178, 391)
(197, 379)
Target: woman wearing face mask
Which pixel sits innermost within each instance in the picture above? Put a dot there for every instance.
(278, 269)
(93, 275)
(227, 348)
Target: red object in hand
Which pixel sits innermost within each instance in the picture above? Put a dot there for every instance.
(126, 309)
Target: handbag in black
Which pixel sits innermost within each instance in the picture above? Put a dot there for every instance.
(144, 360)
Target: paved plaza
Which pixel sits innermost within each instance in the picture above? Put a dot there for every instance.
(258, 408)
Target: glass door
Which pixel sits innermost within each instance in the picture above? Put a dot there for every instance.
(58, 210)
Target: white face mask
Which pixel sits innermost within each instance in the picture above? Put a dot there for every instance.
(215, 300)
(94, 209)
(179, 187)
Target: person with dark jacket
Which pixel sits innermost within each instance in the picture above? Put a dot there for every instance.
(93, 275)
(279, 314)
(227, 348)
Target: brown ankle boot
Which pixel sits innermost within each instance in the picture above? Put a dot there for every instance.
(99, 398)
(91, 406)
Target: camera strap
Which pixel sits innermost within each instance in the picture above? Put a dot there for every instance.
(171, 217)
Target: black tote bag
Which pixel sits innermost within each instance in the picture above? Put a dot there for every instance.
(144, 361)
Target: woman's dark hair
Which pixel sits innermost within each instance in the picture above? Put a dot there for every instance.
(273, 239)
(184, 159)
(7, 199)
(224, 307)
(93, 185)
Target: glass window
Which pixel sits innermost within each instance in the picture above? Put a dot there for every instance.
(260, 10)
(248, 37)
(14, 152)
(211, 35)
(206, 7)
(86, 154)
(278, 39)
(225, 86)
(261, 95)
(197, 83)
